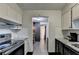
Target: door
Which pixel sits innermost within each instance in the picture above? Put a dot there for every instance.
(37, 31)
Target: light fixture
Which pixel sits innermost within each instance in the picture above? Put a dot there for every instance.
(39, 19)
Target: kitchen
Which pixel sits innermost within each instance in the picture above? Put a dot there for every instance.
(70, 44)
(11, 40)
(16, 36)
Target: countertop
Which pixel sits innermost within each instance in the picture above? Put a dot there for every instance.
(68, 43)
(13, 47)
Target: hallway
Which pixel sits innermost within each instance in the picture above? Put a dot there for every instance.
(40, 49)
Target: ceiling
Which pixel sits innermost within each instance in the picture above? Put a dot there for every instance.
(41, 6)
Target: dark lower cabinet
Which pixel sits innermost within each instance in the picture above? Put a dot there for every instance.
(56, 46)
(18, 51)
(59, 47)
(69, 51)
(66, 51)
(0, 53)
(63, 49)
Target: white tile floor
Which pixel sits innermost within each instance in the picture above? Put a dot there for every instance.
(40, 49)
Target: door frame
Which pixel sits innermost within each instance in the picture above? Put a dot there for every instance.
(47, 39)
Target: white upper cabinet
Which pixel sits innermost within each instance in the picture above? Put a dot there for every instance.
(75, 12)
(66, 20)
(14, 15)
(3, 11)
(19, 17)
(11, 12)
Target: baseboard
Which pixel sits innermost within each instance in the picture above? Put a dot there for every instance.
(29, 53)
(53, 53)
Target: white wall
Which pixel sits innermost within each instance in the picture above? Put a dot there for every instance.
(54, 20)
(45, 24)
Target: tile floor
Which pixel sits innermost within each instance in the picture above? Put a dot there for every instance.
(40, 49)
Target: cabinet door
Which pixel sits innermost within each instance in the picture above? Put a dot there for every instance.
(66, 51)
(66, 20)
(60, 48)
(3, 10)
(19, 17)
(69, 51)
(75, 12)
(56, 46)
(12, 14)
(18, 51)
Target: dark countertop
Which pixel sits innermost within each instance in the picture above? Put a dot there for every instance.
(13, 47)
(68, 43)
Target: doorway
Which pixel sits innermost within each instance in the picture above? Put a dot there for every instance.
(40, 34)
(36, 30)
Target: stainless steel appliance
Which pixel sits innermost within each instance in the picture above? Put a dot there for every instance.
(5, 41)
(74, 37)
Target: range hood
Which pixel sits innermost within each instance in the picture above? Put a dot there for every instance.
(4, 22)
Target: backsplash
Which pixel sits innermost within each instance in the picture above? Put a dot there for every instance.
(67, 33)
(3, 31)
(15, 33)
(19, 33)
(5, 36)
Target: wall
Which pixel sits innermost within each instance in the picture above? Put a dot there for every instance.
(54, 24)
(45, 24)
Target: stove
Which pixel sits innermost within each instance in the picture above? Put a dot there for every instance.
(5, 41)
